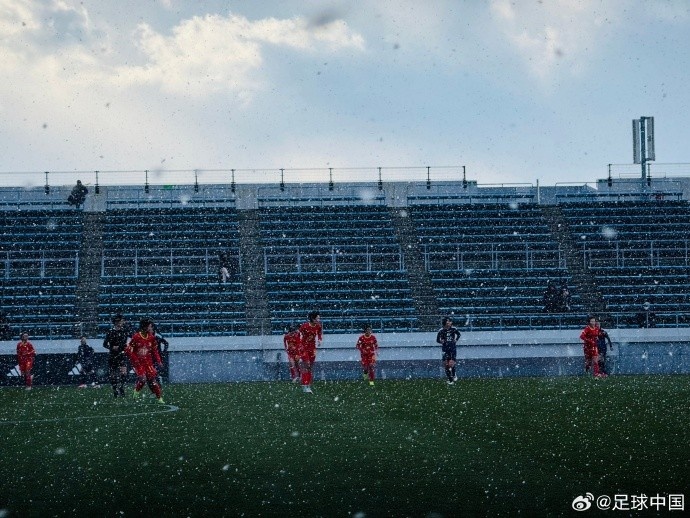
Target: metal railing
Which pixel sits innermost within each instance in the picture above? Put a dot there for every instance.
(328, 258)
(39, 264)
(656, 253)
(456, 257)
(173, 262)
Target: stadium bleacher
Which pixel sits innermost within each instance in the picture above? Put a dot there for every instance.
(491, 263)
(39, 270)
(638, 253)
(164, 262)
(344, 261)
(488, 263)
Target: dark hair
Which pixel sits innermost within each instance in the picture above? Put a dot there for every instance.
(366, 326)
(312, 315)
(118, 318)
(446, 320)
(144, 323)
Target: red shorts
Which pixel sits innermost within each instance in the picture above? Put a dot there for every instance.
(25, 365)
(368, 360)
(308, 354)
(145, 369)
(292, 354)
(590, 352)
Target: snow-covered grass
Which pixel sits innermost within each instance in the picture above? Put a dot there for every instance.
(399, 448)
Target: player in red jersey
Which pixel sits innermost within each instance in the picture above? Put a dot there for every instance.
(368, 346)
(312, 335)
(25, 355)
(589, 337)
(142, 351)
(292, 340)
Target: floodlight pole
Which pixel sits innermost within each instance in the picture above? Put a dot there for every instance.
(232, 181)
(380, 181)
(428, 178)
(643, 144)
(146, 181)
(98, 187)
(330, 178)
(282, 179)
(47, 187)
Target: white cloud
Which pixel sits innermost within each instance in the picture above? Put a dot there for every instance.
(215, 53)
(552, 37)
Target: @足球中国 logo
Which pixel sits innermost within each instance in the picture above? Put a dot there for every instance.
(582, 503)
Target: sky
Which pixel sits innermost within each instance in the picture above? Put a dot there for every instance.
(514, 91)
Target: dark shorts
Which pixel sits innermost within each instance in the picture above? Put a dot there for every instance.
(115, 361)
(449, 354)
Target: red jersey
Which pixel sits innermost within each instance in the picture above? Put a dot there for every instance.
(367, 345)
(25, 350)
(589, 336)
(143, 348)
(292, 342)
(310, 332)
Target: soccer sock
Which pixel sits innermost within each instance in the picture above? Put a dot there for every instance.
(371, 374)
(155, 388)
(293, 372)
(448, 374)
(595, 368)
(309, 377)
(305, 378)
(452, 371)
(139, 385)
(29, 379)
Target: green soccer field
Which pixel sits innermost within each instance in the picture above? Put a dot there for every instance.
(401, 448)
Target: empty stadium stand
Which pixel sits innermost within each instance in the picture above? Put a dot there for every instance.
(638, 253)
(164, 263)
(491, 263)
(40, 266)
(486, 258)
(343, 261)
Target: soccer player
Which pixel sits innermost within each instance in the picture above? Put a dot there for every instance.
(311, 334)
(116, 341)
(292, 340)
(85, 357)
(448, 337)
(142, 351)
(589, 337)
(603, 343)
(368, 346)
(25, 356)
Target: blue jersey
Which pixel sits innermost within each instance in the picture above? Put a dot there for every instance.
(602, 341)
(448, 338)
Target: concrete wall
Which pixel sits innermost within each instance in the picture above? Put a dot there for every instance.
(402, 355)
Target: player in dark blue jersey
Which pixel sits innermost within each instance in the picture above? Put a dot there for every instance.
(603, 343)
(448, 337)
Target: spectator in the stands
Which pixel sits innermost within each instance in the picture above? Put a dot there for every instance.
(78, 194)
(225, 268)
(563, 298)
(646, 317)
(551, 298)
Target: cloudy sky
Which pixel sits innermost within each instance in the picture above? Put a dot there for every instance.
(515, 90)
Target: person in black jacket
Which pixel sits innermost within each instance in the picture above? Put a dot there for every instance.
(116, 341)
(85, 357)
(78, 194)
